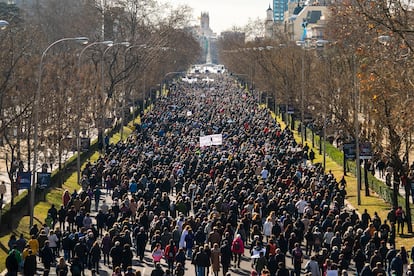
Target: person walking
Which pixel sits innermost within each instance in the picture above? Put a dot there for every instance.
(106, 246)
(116, 255)
(215, 259)
(157, 254)
(95, 256)
(169, 254)
(12, 263)
(400, 217)
(76, 267)
(202, 261)
(30, 264)
(157, 271)
(312, 266)
(126, 257)
(226, 256)
(141, 240)
(297, 259)
(261, 263)
(397, 265)
(47, 256)
(62, 267)
(34, 244)
(237, 248)
(53, 242)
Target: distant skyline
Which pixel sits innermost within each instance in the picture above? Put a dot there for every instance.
(224, 14)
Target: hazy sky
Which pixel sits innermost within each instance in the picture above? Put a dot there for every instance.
(224, 14)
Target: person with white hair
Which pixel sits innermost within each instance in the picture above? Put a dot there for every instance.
(116, 254)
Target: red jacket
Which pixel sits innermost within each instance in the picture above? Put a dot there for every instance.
(168, 250)
(237, 246)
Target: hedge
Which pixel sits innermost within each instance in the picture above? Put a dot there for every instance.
(12, 214)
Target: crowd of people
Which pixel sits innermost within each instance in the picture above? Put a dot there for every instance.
(250, 197)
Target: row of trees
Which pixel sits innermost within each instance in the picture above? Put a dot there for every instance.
(159, 43)
(364, 73)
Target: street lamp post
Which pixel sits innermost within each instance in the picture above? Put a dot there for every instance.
(302, 99)
(83, 40)
(356, 122)
(123, 87)
(321, 44)
(78, 143)
(102, 127)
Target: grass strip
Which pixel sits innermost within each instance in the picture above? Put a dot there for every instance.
(53, 196)
(373, 203)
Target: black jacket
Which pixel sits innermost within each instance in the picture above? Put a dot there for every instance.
(30, 265)
(202, 259)
(116, 254)
(226, 254)
(157, 272)
(11, 263)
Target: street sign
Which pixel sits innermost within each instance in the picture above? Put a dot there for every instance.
(85, 143)
(365, 150)
(24, 180)
(349, 150)
(43, 180)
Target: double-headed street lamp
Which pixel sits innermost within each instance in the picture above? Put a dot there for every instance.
(78, 143)
(82, 40)
(123, 86)
(102, 127)
(3, 24)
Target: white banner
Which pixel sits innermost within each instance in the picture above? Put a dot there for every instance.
(217, 139)
(211, 140)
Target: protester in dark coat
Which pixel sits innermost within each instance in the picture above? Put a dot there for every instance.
(47, 256)
(76, 267)
(126, 257)
(30, 264)
(12, 264)
(202, 261)
(157, 271)
(226, 256)
(95, 256)
(106, 246)
(116, 254)
(397, 265)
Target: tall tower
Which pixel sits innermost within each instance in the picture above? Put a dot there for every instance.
(205, 21)
(269, 23)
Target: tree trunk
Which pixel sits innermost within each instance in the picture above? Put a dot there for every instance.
(395, 184)
(60, 154)
(344, 165)
(28, 148)
(366, 164)
(313, 137)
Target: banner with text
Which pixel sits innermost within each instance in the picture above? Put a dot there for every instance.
(211, 140)
(24, 180)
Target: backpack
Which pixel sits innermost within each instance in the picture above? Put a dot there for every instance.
(236, 245)
(297, 253)
(171, 252)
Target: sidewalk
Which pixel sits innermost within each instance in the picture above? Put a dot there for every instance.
(401, 190)
(372, 203)
(5, 177)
